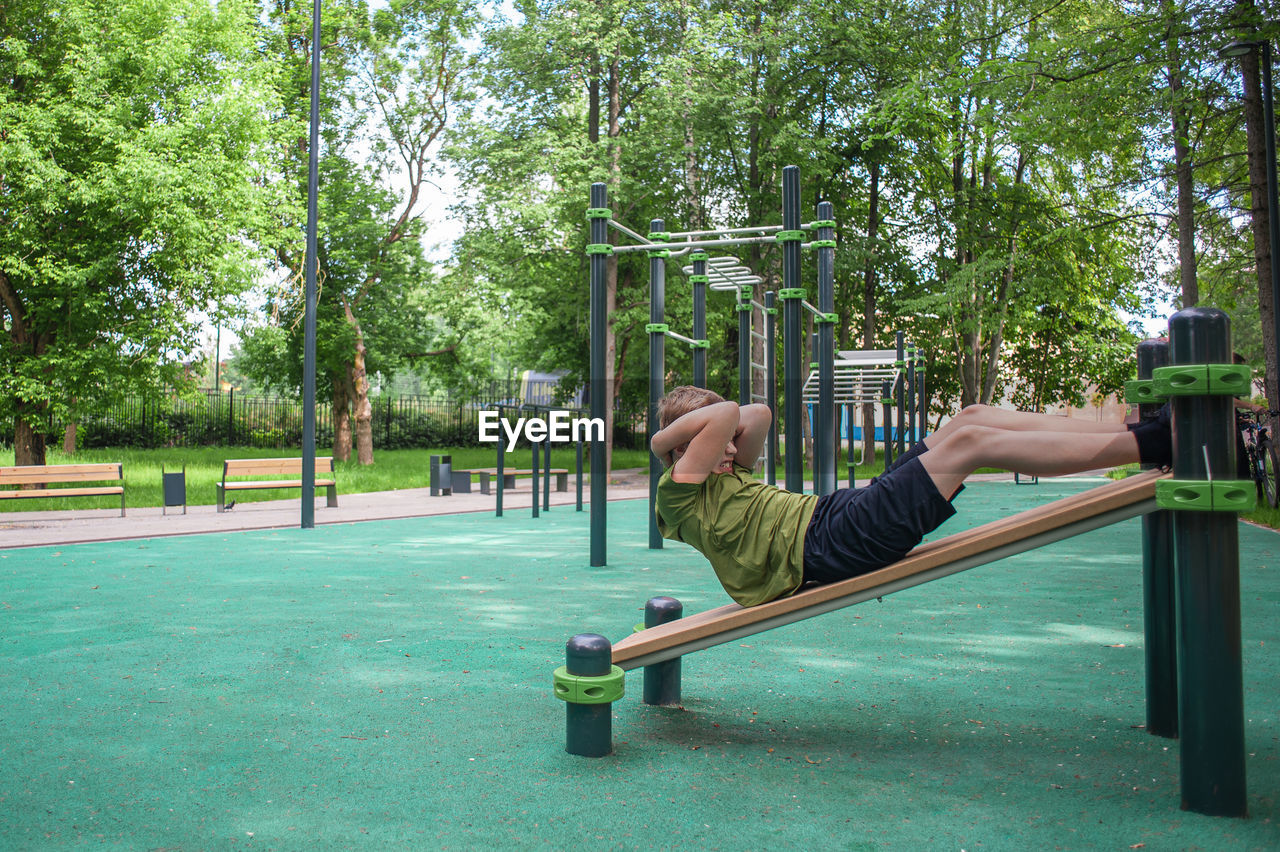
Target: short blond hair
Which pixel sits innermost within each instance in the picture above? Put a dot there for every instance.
(680, 401)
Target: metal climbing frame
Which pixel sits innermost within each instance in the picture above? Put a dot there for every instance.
(660, 246)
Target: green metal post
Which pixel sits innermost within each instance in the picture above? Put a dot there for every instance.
(743, 308)
(599, 388)
(501, 465)
(912, 401)
(771, 384)
(546, 467)
(657, 371)
(662, 680)
(535, 468)
(1159, 602)
(588, 727)
(792, 333)
(887, 429)
(826, 427)
(578, 484)
(900, 392)
(1207, 548)
(700, 320)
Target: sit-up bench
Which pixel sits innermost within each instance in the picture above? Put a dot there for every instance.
(272, 468)
(1071, 516)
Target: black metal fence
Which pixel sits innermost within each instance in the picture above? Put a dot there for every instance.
(211, 418)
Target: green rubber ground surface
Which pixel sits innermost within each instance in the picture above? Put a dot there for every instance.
(388, 685)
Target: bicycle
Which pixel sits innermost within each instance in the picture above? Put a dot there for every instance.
(1261, 454)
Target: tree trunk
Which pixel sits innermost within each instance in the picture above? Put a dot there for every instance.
(1002, 295)
(69, 439)
(358, 389)
(28, 443)
(341, 419)
(1255, 133)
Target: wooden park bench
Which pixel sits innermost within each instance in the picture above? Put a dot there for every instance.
(273, 468)
(74, 475)
(509, 477)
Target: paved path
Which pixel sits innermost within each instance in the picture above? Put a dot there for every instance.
(31, 529)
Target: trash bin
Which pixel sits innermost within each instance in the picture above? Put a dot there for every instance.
(441, 476)
(175, 489)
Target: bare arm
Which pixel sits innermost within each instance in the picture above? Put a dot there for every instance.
(702, 435)
(753, 430)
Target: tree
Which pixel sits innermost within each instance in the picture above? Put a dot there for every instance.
(393, 76)
(130, 195)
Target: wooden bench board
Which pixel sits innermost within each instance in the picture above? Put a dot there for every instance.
(292, 483)
(44, 474)
(1054, 521)
(104, 491)
(272, 467)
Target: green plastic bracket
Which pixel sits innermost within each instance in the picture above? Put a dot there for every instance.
(660, 236)
(581, 689)
(700, 344)
(1202, 380)
(773, 312)
(823, 223)
(821, 244)
(792, 293)
(698, 279)
(657, 328)
(813, 365)
(789, 236)
(886, 400)
(1225, 495)
(699, 255)
(1142, 391)
(659, 252)
(744, 291)
(831, 318)
(599, 248)
(599, 213)
(739, 307)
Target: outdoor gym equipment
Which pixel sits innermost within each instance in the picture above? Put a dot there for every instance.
(1204, 568)
(660, 246)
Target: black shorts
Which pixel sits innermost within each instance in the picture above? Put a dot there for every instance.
(853, 532)
(1155, 438)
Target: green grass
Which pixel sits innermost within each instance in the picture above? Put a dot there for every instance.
(1264, 516)
(392, 470)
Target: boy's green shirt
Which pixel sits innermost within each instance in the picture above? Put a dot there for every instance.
(752, 533)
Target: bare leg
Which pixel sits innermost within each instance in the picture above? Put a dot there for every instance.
(966, 448)
(1018, 421)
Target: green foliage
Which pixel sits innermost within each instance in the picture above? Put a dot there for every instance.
(391, 75)
(132, 192)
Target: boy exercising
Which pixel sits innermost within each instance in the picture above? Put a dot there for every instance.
(765, 543)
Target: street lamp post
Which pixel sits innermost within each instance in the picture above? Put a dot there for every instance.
(1235, 50)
